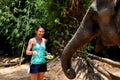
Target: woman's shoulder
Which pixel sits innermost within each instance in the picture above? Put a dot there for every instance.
(45, 40)
(32, 40)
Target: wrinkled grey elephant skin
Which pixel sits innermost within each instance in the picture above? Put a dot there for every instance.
(101, 22)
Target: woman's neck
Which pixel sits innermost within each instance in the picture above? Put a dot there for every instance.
(39, 39)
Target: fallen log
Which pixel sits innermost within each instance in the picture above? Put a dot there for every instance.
(99, 69)
(106, 60)
(11, 62)
(7, 64)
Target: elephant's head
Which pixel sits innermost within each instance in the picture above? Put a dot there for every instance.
(98, 23)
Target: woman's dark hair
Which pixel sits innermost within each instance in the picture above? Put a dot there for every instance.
(36, 29)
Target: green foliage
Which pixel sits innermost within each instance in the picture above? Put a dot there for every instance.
(87, 48)
(86, 4)
(20, 17)
(18, 20)
(60, 28)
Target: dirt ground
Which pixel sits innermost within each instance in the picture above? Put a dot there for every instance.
(54, 71)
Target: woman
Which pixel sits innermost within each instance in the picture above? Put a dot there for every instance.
(36, 47)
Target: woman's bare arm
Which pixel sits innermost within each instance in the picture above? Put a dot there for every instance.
(29, 47)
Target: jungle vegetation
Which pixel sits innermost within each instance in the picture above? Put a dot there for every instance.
(19, 18)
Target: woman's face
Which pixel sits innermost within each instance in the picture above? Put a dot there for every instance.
(40, 32)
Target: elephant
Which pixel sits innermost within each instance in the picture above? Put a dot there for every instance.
(101, 22)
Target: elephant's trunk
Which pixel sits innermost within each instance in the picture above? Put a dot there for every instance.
(66, 59)
(79, 39)
(84, 34)
(66, 65)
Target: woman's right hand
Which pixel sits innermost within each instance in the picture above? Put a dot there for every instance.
(35, 52)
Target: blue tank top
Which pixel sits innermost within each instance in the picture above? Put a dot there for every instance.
(40, 48)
